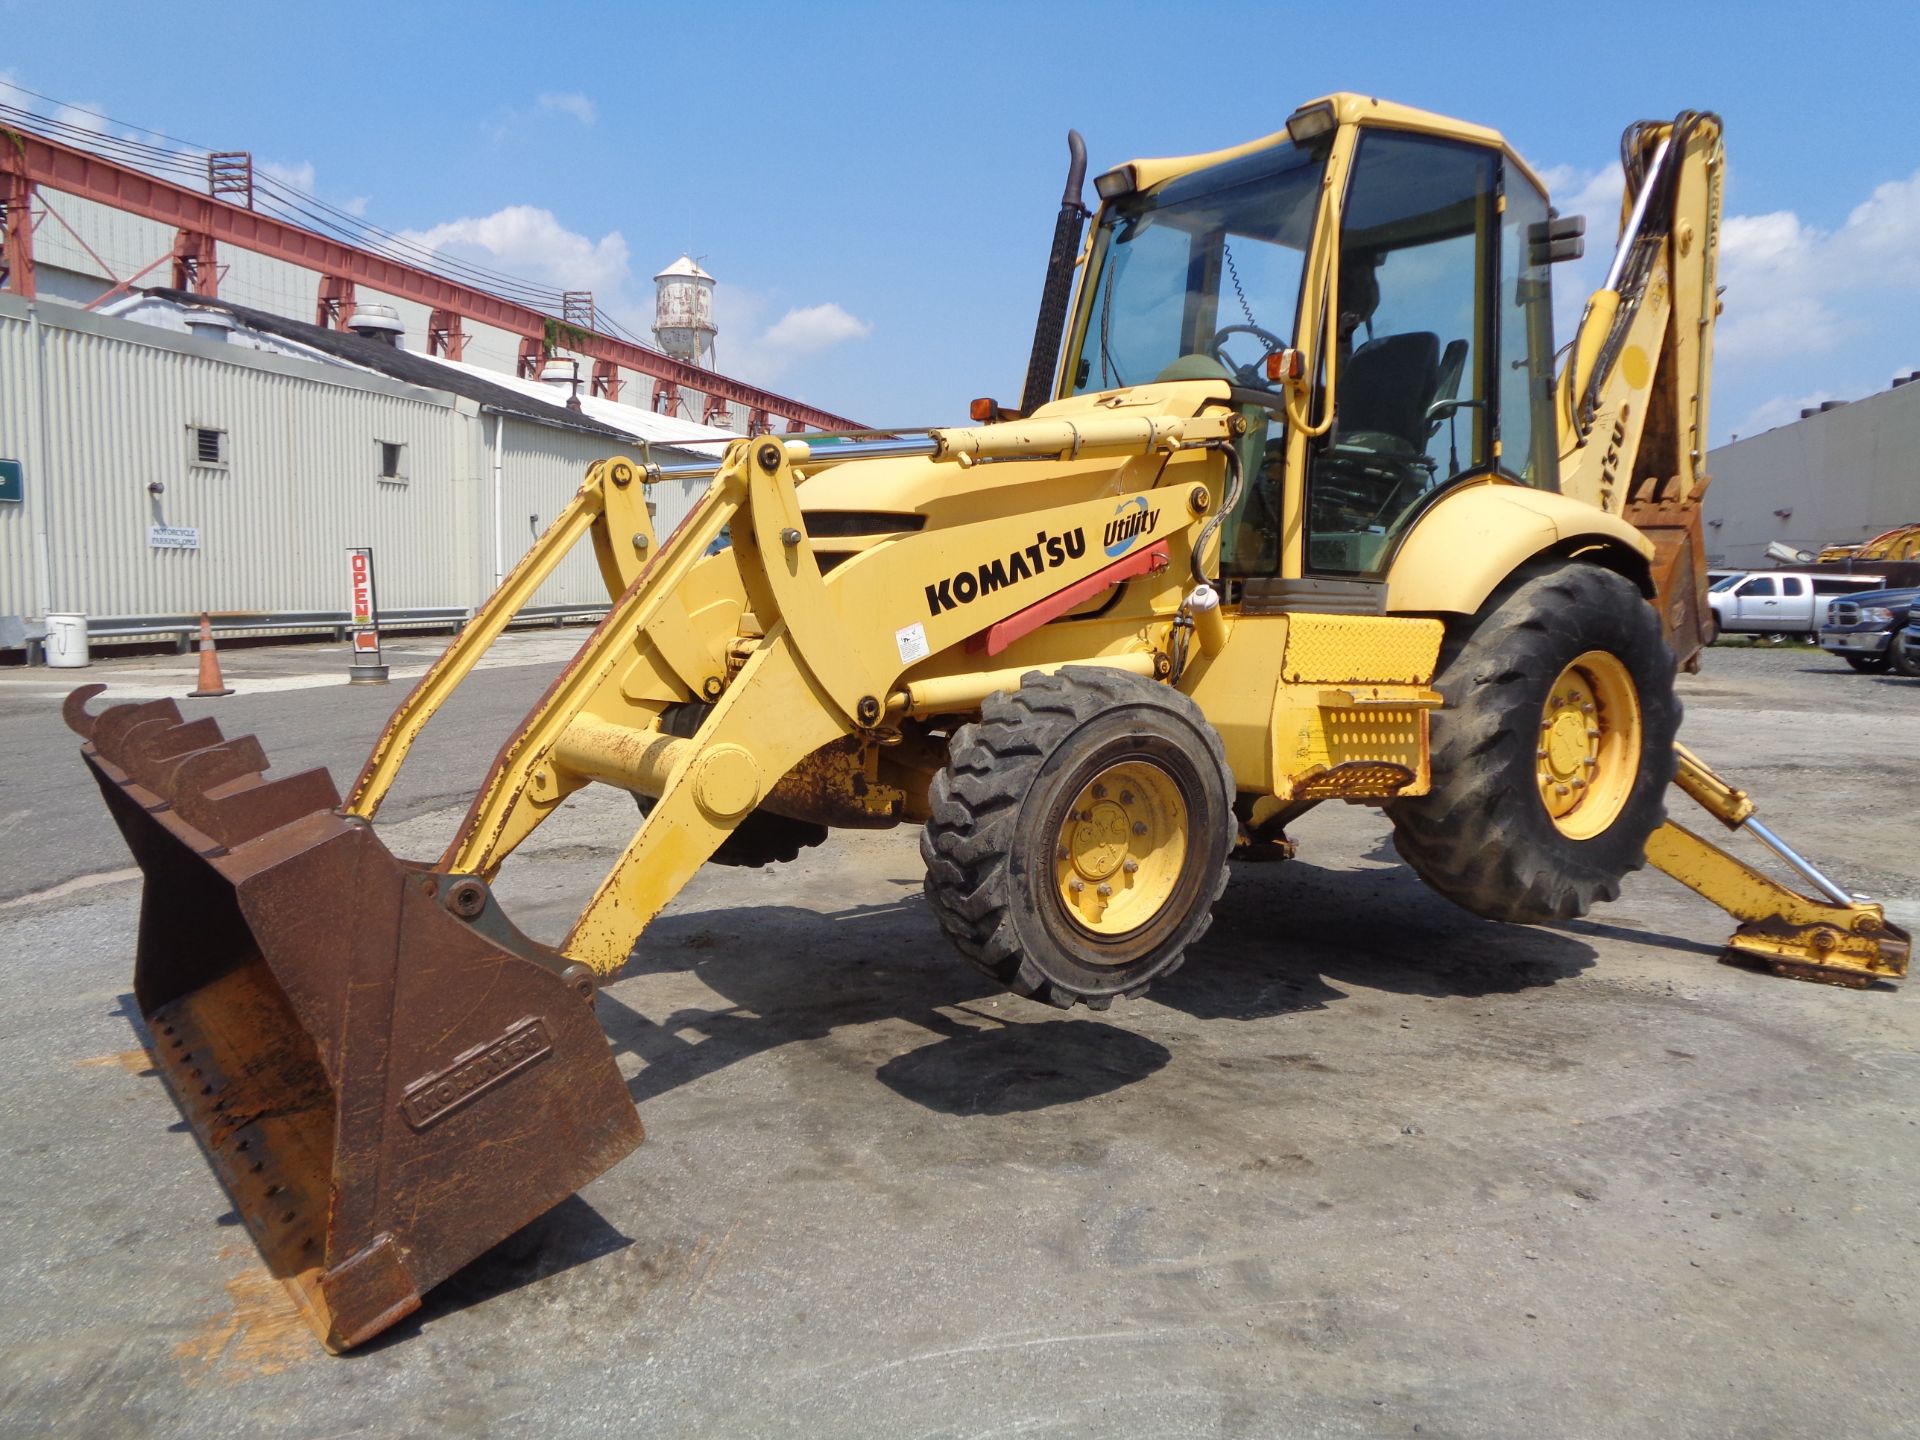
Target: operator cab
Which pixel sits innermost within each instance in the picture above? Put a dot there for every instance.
(1436, 342)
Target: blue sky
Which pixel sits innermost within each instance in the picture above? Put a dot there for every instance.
(875, 185)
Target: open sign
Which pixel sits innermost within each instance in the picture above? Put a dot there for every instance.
(360, 563)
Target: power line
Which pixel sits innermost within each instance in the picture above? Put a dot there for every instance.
(189, 163)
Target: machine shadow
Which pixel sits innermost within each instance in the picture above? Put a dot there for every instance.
(1286, 936)
(572, 1233)
(854, 967)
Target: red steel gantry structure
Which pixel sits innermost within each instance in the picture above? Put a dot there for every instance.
(203, 222)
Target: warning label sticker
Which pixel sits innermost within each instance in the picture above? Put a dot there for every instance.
(912, 641)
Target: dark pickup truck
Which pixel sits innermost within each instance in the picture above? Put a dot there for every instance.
(1905, 650)
(1860, 629)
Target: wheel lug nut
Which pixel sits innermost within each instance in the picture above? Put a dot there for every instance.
(1541, 753)
(1105, 891)
(1061, 853)
(1099, 792)
(1130, 866)
(1076, 884)
(1139, 827)
(1578, 783)
(1126, 797)
(1586, 708)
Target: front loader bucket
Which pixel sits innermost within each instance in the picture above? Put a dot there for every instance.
(387, 1077)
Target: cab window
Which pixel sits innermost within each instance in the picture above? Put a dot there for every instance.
(1412, 344)
(1762, 586)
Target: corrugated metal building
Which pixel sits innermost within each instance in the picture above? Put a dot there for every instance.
(166, 473)
(1837, 476)
(117, 243)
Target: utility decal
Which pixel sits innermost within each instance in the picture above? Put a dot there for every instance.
(1131, 520)
(1046, 552)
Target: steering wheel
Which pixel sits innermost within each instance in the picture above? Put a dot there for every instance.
(1248, 374)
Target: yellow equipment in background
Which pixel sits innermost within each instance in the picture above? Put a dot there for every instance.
(1303, 512)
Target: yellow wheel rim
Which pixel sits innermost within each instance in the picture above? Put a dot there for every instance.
(1118, 856)
(1589, 752)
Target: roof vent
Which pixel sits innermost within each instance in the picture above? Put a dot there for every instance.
(377, 322)
(213, 325)
(1809, 413)
(1826, 405)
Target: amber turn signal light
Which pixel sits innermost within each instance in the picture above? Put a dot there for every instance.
(1285, 364)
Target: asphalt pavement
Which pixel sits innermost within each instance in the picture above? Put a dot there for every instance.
(1367, 1166)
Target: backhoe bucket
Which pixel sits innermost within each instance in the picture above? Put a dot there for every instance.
(387, 1077)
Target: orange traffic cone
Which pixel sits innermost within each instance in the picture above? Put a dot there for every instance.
(211, 684)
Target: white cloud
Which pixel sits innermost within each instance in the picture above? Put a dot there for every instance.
(84, 116)
(762, 351)
(813, 328)
(1791, 286)
(526, 241)
(1780, 410)
(295, 176)
(570, 102)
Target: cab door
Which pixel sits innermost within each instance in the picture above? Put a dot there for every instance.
(1756, 603)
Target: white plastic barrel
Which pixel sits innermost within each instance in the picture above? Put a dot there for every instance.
(66, 641)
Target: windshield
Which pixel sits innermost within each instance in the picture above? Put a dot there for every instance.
(1201, 278)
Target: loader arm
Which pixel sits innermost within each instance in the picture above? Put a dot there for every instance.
(1632, 395)
(819, 659)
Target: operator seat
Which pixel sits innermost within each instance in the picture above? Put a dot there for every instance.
(1385, 390)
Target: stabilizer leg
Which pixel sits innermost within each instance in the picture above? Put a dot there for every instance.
(1838, 939)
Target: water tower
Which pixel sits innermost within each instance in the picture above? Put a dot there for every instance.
(683, 312)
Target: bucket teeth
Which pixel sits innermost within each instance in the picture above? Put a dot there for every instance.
(235, 813)
(111, 727)
(214, 784)
(147, 746)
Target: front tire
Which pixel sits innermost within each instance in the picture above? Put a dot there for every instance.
(1553, 754)
(1868, 664)
(1079, 835)
(1902, 658)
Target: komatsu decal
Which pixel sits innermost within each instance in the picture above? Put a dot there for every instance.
(1046, 552)
(1131, 520)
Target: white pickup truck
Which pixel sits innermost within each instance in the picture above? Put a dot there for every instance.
(1781, 602)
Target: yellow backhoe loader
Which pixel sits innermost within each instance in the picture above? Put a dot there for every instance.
(1296, 509)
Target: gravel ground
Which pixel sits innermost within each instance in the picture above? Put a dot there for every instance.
(1366, 1166)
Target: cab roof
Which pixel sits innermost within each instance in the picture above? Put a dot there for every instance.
(1348, 109)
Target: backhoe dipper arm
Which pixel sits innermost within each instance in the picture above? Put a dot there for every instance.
(1632, 396)
(1839, 939)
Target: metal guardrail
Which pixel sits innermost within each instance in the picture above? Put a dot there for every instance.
(339, 622)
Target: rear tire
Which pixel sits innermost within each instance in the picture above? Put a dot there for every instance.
(1868, 664)
(1079, 835)
(1552, 757)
